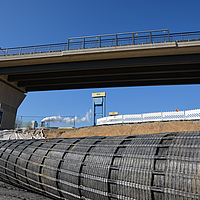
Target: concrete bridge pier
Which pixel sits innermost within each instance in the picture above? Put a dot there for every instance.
(10, 100)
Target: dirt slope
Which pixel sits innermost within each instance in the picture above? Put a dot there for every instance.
(126, 129)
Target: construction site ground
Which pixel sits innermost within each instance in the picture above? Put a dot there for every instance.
(10, 192)
(125, 129)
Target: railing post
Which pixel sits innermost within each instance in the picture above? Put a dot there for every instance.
(83, 43)
(150, 37)
(99, 41)
(64, 46)
(6, 52)
(168, 35)
(49, 48)
(20, 51)
(68, 44)
(133, 38)
(34, 49)
(116, 40)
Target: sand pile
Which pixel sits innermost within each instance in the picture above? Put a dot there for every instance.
(125, 129)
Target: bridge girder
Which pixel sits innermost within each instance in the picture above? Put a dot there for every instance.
(143, 71)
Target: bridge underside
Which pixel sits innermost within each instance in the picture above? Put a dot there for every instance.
(145, 71)
(170, 63)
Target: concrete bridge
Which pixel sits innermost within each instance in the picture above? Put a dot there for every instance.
(118, 60)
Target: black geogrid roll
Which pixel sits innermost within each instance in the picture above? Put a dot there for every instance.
(158, 166)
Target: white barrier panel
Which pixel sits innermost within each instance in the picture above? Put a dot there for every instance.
(132, 118)
(114, 119)
(167, 116)
(192, 114)
(151, 117)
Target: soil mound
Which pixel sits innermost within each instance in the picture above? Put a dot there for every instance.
(125, 129)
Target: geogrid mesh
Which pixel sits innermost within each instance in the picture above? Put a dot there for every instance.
(157, 166)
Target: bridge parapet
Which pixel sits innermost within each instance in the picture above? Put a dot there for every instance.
(99, 41)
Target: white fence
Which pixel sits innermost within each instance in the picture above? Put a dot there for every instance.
(151, 117)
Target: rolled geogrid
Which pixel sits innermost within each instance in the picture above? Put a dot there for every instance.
(157, 166)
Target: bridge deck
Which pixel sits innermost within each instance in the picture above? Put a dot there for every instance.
(160, 63)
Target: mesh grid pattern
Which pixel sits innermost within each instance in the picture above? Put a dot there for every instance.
(158, 166)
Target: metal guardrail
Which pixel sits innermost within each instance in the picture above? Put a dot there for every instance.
(121, 39)
(151, 117)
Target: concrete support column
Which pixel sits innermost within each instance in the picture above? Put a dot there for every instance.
(10, 100)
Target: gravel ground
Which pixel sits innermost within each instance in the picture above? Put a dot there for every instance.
(9, 192)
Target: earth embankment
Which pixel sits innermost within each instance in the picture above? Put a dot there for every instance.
(125, 129)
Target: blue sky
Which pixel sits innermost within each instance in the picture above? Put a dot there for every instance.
(26, 22)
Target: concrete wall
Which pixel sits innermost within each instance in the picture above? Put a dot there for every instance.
(10, 100)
